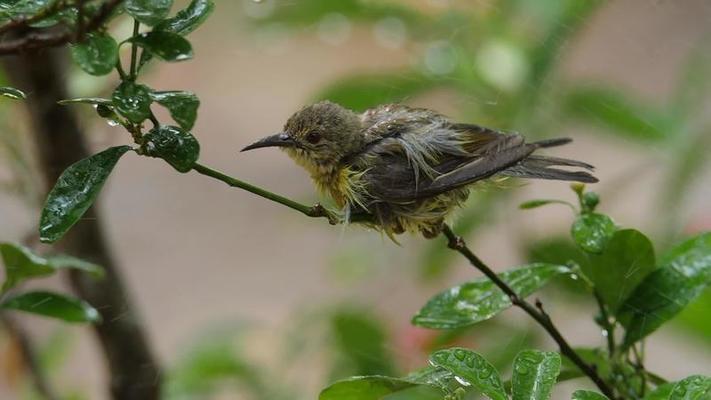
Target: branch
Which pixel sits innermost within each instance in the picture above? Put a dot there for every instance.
(24, 40)
(539, 315)
(29, 358)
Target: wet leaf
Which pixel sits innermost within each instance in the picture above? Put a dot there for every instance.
(75, 191)
(183, 106)
(591, 231)
(661, 392)
(626, 260)
(480, 300)
(53, 305)
(167, 46)
(588, 395)
(188, 19)
(149, 12)
(133, 101)
(472, 368)
(12, 93)
(695, 387)
(684, 273)
(97, 54)
(364, 388)
(87, 100)
(176, 146)
(615, 110)
(535, 373)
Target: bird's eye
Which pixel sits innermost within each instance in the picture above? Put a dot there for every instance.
(313, 137)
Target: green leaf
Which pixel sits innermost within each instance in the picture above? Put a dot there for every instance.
(472, 368)
(591, 231)
(615, 110)
(75, 191)
(189, 18)
(165, 45)
(661, 392)
(150, 12)
(21, 263)
(480, 300)
(362, 92)
(53, 305)
(133, 101)
(12, 93)
(539, 203)
(183, 106)
(176, 146)
(627, 259)
(535, 373)
(364, 388)
(87, 100)
(695, 387)
(97, 54)
(684, 273)
(588, 395)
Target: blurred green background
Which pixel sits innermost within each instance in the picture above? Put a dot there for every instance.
(244, 299)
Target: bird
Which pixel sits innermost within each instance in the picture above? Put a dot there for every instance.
(409, 168)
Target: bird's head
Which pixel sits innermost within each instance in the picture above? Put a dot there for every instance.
(318, 136)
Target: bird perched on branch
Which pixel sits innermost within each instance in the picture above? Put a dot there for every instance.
(408, 167)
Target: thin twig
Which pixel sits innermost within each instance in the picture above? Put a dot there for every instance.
(29, 358)
(134, 50)
(539, 315)
(606, 325)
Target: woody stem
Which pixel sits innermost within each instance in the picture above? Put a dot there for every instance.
(537, 313)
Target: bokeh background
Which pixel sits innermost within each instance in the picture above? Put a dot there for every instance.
(245, 299)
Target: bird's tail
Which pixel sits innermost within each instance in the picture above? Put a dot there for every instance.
(542, 167)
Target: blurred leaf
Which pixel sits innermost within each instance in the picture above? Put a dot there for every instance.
(616, 111)
(362, 92)
(176, 146)
(75, 191)
(362, 340)
(591, 231)
(527, 205)
(167, 46)
(12, 93)
(97, 54)
(87, 100)
(694, 317)
(684, 273)
(480, 300)
(472, 368)
(588, 395)
(183, 106)
(188, 19)
(312, 11)
(133, 101)
(661, 392)
(555, 250)
(535, 373)
(695, 387)
(52, 305)
(150, 12)
(693, 87)
(21, 263)
(364, 388)
(627, 259)
(595, 357)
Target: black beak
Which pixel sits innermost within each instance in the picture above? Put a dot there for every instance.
(279, 140)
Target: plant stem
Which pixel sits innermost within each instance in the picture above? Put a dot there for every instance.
(606, 325)
(134, 49)
(539, 315)
(315, 211)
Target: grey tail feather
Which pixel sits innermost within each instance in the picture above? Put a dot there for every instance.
(552, 142)
(539, 167)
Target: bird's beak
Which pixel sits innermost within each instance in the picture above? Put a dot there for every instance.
(279, 140)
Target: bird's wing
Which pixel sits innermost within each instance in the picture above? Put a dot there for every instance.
(393, 178)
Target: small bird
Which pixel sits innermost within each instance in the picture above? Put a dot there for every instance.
(408, 168)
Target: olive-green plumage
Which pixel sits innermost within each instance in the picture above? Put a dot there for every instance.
(408, 167)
